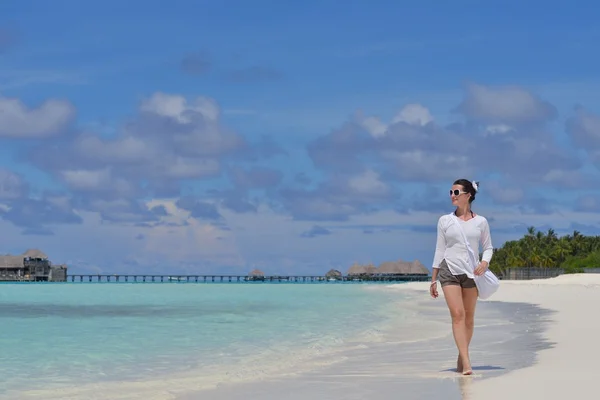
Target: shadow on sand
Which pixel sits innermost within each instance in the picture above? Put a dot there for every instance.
(480, 368)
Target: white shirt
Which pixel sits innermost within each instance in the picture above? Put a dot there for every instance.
(451, 247)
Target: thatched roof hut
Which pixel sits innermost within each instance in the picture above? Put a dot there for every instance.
(358, 269)
(333, 273)
(402, 267)
(391, 267)
(35, 254)
(256, 272)
(416, 267)
(9, 261)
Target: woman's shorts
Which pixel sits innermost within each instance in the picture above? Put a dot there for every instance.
(446, 278)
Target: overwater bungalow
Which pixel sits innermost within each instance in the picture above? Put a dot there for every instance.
(256, 275)
(333, 275)
(402, 268)
(33, 265)
(387, 269)
(358, 269)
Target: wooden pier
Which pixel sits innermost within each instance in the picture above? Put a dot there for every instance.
(139, 278)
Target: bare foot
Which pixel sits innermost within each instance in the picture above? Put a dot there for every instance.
(459, 366)
(467, 369)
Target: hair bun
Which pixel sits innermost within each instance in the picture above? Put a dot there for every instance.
(475, 185)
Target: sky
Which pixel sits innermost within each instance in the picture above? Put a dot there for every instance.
(218, 137)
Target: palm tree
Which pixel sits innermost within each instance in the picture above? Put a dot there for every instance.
(538, 249)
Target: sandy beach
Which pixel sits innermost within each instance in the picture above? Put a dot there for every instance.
(567, 369)
(533, 340)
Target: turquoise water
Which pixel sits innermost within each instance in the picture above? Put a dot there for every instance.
(73, 334)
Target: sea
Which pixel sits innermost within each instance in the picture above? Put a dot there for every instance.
(83, 340)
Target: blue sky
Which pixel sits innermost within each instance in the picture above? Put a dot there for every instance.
(197, 136)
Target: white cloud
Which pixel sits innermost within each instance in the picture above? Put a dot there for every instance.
(368, 183)
(413, 114)
(48, 119)
(171, 140)
(98, 180)
(374, 126)
(504, 192)
(423, 165)
(584, 128)
(268, 239)
(365, 163)
(498, 129)
(177, 107)
(564, 178)
(87, 179)
(505, 104)
(125, 150)
(12, 186)
(504, 133)
(190, 168)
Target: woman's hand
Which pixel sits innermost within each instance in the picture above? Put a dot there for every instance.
(433, 290)
(481, 268)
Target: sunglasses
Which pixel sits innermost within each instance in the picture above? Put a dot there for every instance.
(457, 192)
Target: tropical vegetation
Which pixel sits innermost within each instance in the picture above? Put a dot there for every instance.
(572, 252)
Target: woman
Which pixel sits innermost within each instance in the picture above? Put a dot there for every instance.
(451, 265)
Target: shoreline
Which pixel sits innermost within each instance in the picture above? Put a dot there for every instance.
(274, 360)
(417, 359)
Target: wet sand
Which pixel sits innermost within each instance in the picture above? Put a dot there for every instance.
(417, 361)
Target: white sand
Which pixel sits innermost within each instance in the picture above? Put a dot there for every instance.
(568, 370)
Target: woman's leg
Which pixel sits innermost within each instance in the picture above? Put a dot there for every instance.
(469, 297)
(454, 299)
(470, 302)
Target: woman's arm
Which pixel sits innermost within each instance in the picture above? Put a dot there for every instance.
(440, 250)
(433, 286)
(486, 244)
